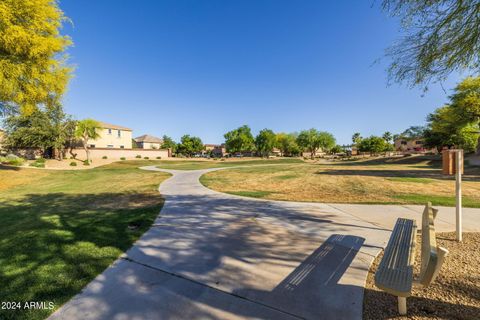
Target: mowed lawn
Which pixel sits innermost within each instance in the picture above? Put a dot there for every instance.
(412, 180)
(232, 162)
(59, 229)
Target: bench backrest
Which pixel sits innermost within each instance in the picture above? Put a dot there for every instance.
(432, 256)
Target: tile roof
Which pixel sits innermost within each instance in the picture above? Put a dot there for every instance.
(148, 138)
(106, 125)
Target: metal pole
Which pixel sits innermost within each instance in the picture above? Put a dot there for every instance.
(458, 192)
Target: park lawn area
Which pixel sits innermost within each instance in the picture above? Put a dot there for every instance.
(412, 180)
(59, 229)
(232, 162)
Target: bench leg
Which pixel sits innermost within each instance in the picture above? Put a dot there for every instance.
(402, 305)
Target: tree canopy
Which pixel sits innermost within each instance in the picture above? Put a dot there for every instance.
(287, 144)
(312, 139)
(45, 129)
(189, 145)
(374, 144)
(168, 143)
(265, 142)
(33, 68)
(438, 37)
(239, 140)
(457, 123)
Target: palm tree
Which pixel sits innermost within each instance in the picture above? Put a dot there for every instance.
(356, 138)
(87, 130)
(387, 136)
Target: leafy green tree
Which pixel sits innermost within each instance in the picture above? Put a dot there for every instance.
(336, 149)
(190, 145)
(374, 144)
(29, 131)
(356, 138)
(447, 129)
(47, 129)
(326, 141)
(287, 144)
(387, 136)
(265, 142)
(168, 143)
(33, 68)
(239, 140)
(465, 103)
(312, 140)
(87, 129)
(438, 37)
(413, 132)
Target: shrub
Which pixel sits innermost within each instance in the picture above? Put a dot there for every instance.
(104, 157)
(146, 158)
(123, 158)
(222, 159)
(86, 163)
(73, 164)
(138, 156)
(13, 160)
(159, 158)
(40, 160)
(38, 164)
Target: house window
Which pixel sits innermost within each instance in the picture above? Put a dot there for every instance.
(122, 147)
(403, 142)
(110, 146)
(91, 146)
(118, 133)
(109, 131)
(418, 142)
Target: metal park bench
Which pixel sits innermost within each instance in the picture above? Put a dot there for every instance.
(395, 272)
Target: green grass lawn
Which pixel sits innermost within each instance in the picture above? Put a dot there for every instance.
(59, 229)
(207, 164)
(409, 180)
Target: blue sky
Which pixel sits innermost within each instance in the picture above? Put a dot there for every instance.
(203, 67)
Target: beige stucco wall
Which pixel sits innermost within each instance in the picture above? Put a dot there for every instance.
(119, 153)
(150, 145)
(112, 139)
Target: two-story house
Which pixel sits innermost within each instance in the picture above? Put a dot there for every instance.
(148, 142)
(112, 136)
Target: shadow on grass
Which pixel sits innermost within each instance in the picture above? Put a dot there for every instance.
(51, 245)
(10, 168)
(430, 161)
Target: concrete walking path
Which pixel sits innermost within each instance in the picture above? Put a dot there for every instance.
(211, 255)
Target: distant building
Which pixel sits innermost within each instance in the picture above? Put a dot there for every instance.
(112, 137)
(416, 144)
(148, 142)
(216, 150)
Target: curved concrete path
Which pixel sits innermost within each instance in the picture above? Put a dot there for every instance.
(211, 255)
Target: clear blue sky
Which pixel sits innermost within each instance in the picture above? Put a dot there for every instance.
(204, 67)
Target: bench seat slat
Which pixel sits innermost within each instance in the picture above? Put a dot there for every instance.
(395, 272)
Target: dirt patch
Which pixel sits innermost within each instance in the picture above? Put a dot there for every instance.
(455, 294)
